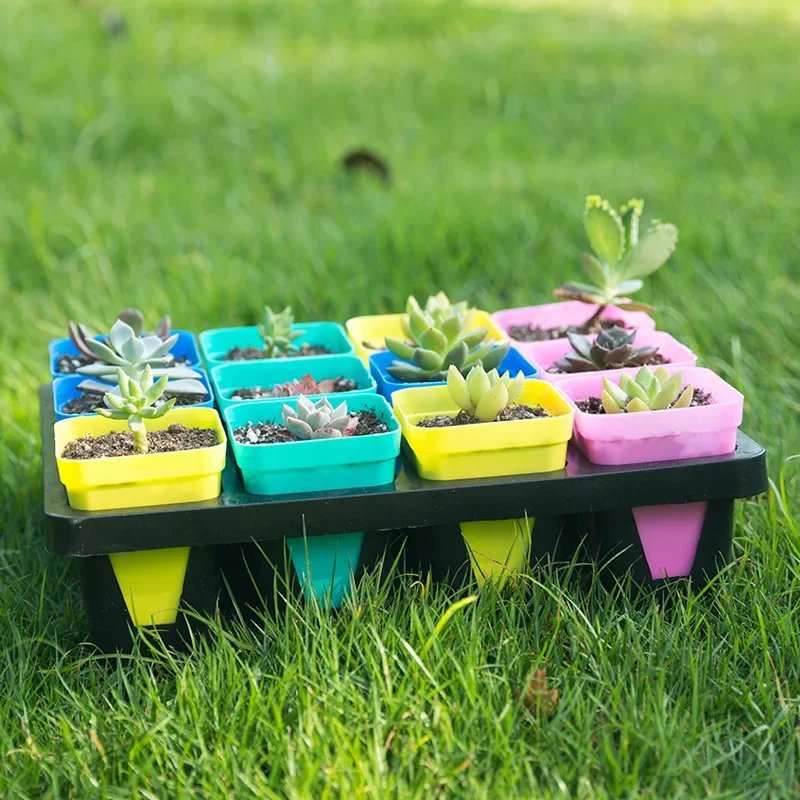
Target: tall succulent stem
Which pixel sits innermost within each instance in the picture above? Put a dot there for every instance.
(140, 441)
(587, 326)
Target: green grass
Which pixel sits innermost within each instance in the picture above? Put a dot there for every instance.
(192, 168)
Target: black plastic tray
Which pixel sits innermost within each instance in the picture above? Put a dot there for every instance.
(238, 517)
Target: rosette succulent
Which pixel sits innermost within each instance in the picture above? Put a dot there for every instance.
(620, 258)
(647, 391)
(612, 349)
(135, 402)
(483, 394)
(126, 350)
(276, 331)
(439, 339)
(318, 420)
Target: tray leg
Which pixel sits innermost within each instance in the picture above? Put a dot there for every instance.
(148, 590)
(656, 544)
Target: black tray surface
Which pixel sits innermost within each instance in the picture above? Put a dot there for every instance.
(410, 502)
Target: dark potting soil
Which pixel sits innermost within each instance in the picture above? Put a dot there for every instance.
(69, 365)
(594, 405)
(256, 354)
(257, 392)
(111, 445)
(89, 401)
(518, 412)
(655, 360)
(272, 433)
(529, 333)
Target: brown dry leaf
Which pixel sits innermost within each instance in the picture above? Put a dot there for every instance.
(537, 698)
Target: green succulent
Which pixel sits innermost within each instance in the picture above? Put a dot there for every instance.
(440, 338)
(79, 333)
(612, 349)
(318, 420)
(484, 394)
(439, 307)
(276, 331)
(126, 350)
(647, 391)
(620, 258)
(136, 403)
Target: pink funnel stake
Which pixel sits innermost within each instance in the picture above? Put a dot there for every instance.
(669, 537)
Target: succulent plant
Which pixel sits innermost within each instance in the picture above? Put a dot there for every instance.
(276, 331)
(647, 391)
(126, 350)
(483, 394)
(612, 349)
(136, 403)
(440, 338)
(620, 259)
(318, 420)
(79, 333)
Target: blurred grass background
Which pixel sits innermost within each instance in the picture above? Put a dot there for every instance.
(186, 161)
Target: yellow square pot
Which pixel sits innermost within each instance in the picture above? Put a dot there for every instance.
(144, 480)
(373, 330)
(490, 450)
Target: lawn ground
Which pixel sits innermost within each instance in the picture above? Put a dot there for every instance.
(190, 167)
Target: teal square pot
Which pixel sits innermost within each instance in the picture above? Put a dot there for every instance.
(315, 465)
(235, 375)
(217, 343)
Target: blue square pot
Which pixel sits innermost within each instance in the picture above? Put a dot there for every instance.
(65, 389)
(234, 375)
(185, 347)
(217, 343)
(317, 465)
(379, 364)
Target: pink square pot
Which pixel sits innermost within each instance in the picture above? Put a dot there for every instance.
(650, 436)
(676, 353)
(571, 312)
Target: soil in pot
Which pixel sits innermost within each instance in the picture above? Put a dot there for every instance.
(89, 401)
(594, 405)
(256, 354)
(654, 360)
(273, 433)
(531, 333)
(69, 365)
(120, 443)
(518, 412)
(306, 385)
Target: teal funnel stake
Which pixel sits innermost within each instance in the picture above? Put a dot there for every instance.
(324, 564)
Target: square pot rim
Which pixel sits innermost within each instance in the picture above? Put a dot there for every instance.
(230, 366)
(666, 339)
(61, 440)
(64, 378)
(270, 404)
(733, 397)
(452, 439)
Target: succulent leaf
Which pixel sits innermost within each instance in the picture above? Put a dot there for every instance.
(610, 403)
(458, 390)
(492, 402)
(603, 229)
(636, 405)
(596, 271)
(434, 340)
(685, 400)
(400, 349)
(631, 213)
(478, 384)
(651, 252)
